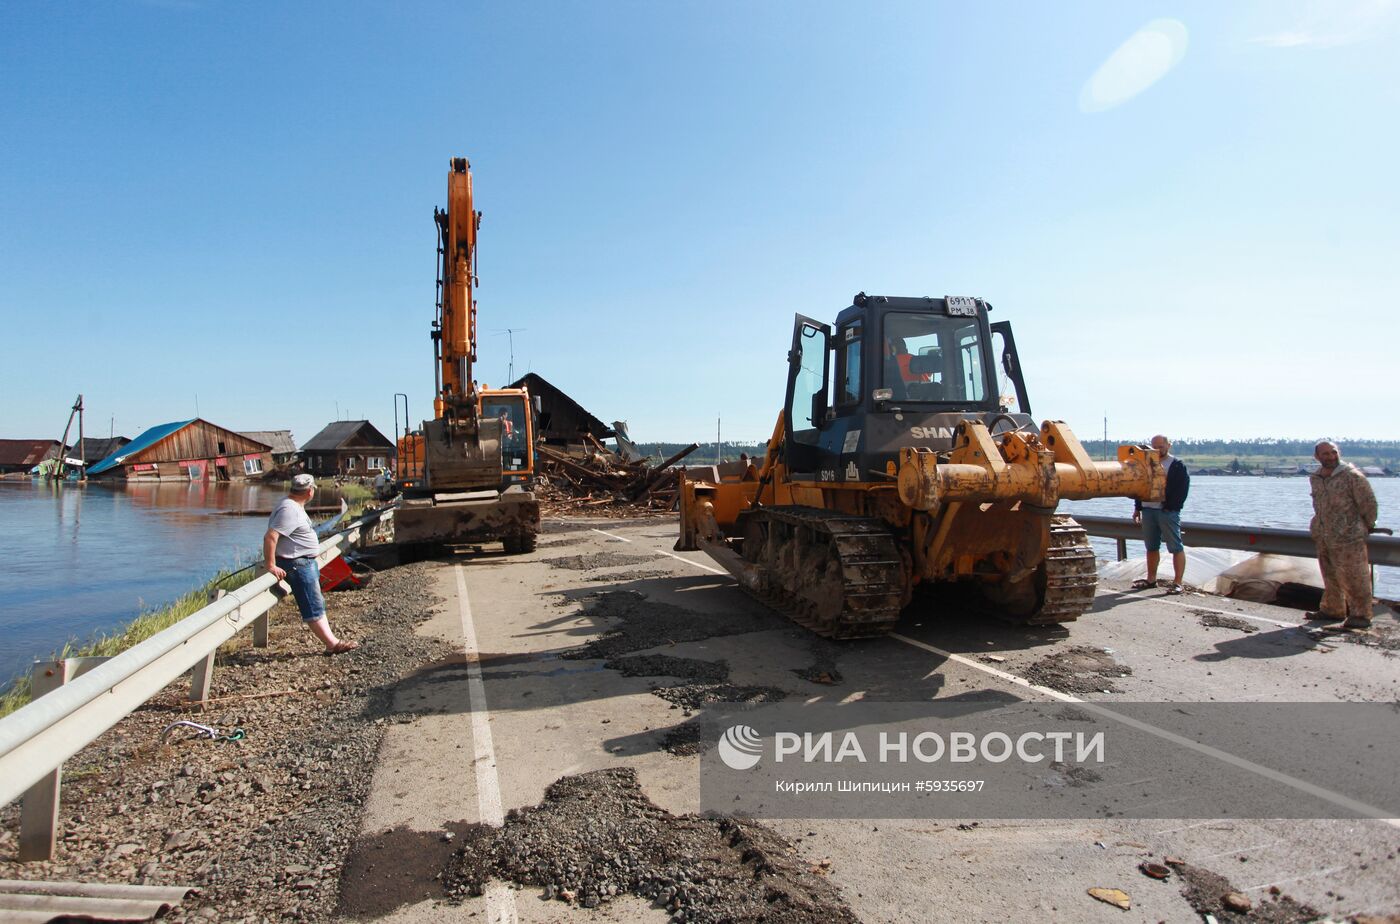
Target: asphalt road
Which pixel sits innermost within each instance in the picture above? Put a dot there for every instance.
(488, 732)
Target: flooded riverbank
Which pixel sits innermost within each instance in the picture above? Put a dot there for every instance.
(85, 559)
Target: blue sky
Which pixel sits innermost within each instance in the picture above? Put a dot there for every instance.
(1187, 210)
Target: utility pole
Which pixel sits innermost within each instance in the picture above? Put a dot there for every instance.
(57, 472)
(82, 454)
(1105, 436)
(718, 460)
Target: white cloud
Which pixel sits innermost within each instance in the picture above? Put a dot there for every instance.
(1145, 58)
(1330, 24)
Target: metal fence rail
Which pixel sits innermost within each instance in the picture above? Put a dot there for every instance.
(1382, 550)
(36, 739)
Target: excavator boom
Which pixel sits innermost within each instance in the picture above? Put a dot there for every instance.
(456, 325)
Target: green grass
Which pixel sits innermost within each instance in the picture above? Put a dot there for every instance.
(356, 497)
(138, 630)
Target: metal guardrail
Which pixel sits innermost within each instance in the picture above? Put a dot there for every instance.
(37, 738)
(1380, 549)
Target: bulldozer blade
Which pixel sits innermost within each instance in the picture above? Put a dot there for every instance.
(475, 516)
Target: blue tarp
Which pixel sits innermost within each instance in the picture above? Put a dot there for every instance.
(143, 442)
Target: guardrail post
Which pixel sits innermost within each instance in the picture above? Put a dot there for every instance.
(203, 674)
(260, 631)
(38, 816)
(1122, 549)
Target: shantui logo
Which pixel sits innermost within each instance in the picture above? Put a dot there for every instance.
(740, 747)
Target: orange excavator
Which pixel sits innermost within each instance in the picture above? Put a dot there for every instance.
(467, 475)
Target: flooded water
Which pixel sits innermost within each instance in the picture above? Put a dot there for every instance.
(79, 560)
(1280, 502)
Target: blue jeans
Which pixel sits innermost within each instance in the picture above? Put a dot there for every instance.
(305, 577)
(1159, 526)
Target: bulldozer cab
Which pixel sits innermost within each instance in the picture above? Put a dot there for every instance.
(895, 372)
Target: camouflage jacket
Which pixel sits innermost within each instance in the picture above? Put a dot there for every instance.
(1344, 506)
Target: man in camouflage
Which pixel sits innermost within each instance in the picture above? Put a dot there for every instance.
(1344, 513)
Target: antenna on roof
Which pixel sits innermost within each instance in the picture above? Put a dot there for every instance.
(510, 332)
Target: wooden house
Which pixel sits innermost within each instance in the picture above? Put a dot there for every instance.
(348, 447)
(187, 450)
(95, 449)
(561, 419)
(19, 456)
(284, 448)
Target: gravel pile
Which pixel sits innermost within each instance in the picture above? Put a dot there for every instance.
(1206, 892)
(1216, 621)
(1079, 670)
(593, 561)
(260, 825)
(667, 666)
(596, 836)
(693, 696)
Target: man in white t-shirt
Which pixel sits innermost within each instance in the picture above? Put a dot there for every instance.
(289, 554)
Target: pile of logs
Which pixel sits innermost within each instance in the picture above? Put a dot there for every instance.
(593, 476)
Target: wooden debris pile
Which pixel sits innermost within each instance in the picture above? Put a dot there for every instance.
(590, 477)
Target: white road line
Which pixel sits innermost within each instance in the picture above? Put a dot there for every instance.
(1326, 795)
(500, 900)
(1226, 853)
(1207, 609)
(697, 564)
(968, 662)
(1316, 875)
(1199, 824)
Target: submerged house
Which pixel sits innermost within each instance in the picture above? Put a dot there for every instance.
(96, 449)
(348, 447)
(561, 419)
(284, 448)
(19, 456)
(187, 450)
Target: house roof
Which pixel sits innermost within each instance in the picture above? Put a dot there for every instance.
(143, 441)
(99, 448)
(25, 452)
(539, 385)
(280, 440)
(336, 434)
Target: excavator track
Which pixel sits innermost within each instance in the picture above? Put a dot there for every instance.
(840, 576)
(1071, 574)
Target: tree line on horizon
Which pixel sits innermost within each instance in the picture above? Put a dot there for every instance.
(1249, 452)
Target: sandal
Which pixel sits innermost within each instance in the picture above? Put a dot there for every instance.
(1175, 590)
(341, 647)
(1143, 584)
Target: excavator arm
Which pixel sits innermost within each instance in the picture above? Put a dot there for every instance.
(455, 329)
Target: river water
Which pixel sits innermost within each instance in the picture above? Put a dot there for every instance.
(85, 559)
(1250, 501)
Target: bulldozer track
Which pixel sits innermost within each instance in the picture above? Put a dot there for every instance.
(838, 575)
(1071, 574)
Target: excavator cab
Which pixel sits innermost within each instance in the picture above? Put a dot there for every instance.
(896, 373)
